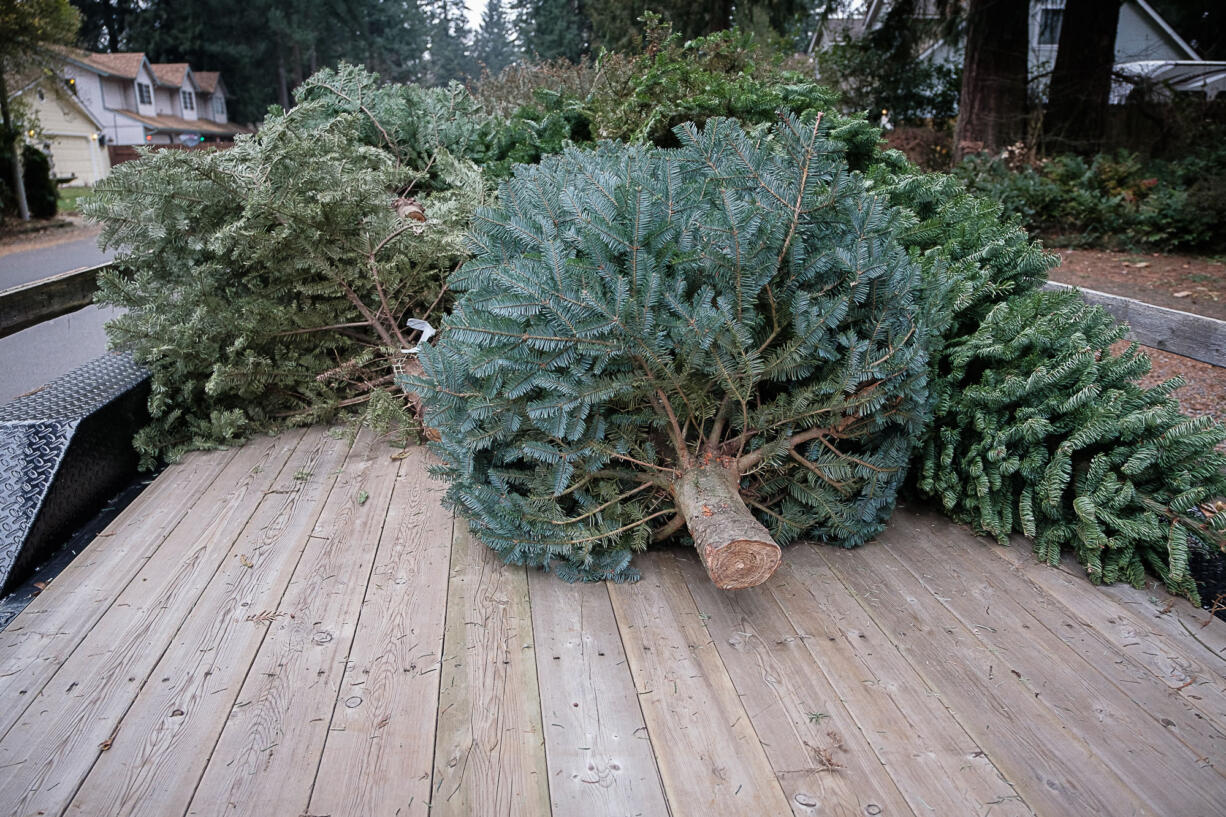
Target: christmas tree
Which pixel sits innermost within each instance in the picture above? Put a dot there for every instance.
(1040, 429)
(723, 338)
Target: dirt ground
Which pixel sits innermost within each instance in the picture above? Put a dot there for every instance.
(1184, 282)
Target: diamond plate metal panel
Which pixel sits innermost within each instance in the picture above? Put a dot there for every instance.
(63, 451)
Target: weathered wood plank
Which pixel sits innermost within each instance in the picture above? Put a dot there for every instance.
(938, 766)
(1047, 762)
(1095, 614)
(1181, 333)
(824, 763)
(489, 755)
(37, 642)
(379, 753)
(28, 304)
(709, 755)
(164, 741)
(265, 760)
(1145, 737)
(57, 739)
(1202, 635)
(600, 759)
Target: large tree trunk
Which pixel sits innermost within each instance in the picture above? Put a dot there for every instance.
(19, 185)
(736, 548)
(992, 105)
(1081, 81)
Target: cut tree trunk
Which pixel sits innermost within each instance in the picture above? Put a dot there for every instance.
(736, 548)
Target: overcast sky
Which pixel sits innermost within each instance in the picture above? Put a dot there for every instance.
(475, 9)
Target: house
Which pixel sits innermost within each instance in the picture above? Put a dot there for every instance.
(1146, 47)
(68, 133)
(142, 103)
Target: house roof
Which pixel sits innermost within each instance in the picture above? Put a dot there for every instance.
(1179, 42)
(175, 124)
(170, 74)
(123, 64)
(207, 80)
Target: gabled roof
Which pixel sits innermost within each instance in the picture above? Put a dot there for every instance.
(125, 65)
(1165, 27)
(171, 74)
(176, 124)
(206, 81)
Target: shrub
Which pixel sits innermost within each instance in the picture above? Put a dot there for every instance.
(1114, 200)
(41, 190)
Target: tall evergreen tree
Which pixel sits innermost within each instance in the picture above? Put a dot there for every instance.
(1081, 80)
(550, 29)
(448, 41)
(105, 23)
(494, 43)
(992, 105)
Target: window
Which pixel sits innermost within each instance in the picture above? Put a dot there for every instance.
(219, 106)
(1049, 26)
(144, 94)
(189, 100)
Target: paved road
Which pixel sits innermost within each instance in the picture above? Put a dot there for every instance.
(38, 355)
(34, 265)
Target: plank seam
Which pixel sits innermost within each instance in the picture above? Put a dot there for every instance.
(442, 653)
(162, 653)
(748, 718)
(936, 691)
(239, 688)
(638, 702)
(33, 694)
(357, 625)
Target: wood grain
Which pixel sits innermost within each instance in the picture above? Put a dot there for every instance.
(938, 766)
(37, 642)
(266, 758)
(29, 304)
(1067, 671)
(708, 753)
(1120, 644)
(167, 737)
(1171, 330)
(599, 756)
(58, 738)
(824, 763)
(1051, 766)
(489, 755)
(379, 753)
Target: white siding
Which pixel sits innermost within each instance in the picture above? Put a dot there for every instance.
(1140, 38)
(144, 76)
(166, 101)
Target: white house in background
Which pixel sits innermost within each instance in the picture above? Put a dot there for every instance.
(1145, 46)
(68, 133)
(141, 103)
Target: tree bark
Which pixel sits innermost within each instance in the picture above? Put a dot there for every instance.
(19, 184)
(1081, 80)
(992, 105)
(736, 548)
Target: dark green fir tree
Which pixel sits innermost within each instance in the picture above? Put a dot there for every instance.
(494, 45)
(722, 339)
